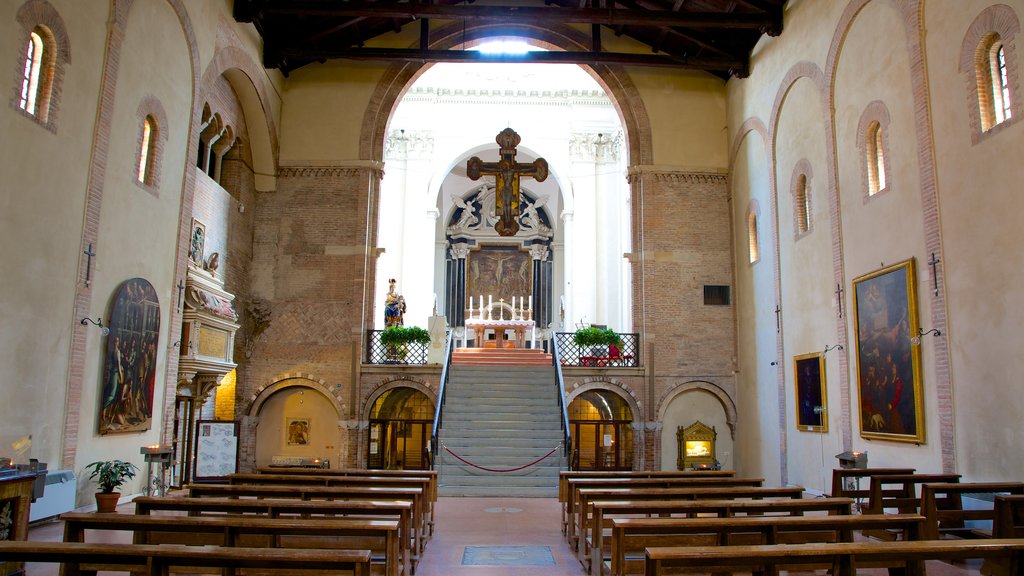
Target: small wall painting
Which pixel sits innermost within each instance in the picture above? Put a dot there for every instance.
(811, 395)
(297, 431)
(888, 363)
(129, 372)
(197, 243)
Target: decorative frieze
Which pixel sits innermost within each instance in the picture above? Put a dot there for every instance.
(598, 147)
(409, 145)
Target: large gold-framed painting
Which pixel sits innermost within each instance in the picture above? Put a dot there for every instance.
(499, 272)
(811, 397)
(129, 372)
(888, 363)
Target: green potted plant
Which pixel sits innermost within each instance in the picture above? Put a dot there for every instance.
(592, 336)
(109, 476)
(396, 340)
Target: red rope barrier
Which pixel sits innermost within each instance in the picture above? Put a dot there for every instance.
(467, 462)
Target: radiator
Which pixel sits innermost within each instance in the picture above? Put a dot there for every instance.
(57, 498)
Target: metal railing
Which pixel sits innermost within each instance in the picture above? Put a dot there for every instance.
(571, 354)
(434, 440)
(566, 430)
(378, 353)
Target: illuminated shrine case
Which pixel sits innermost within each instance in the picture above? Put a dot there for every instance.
(696, 444)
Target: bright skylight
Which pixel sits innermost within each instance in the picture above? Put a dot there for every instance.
(506, 47)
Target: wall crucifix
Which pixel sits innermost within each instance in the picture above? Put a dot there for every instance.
(506, 172)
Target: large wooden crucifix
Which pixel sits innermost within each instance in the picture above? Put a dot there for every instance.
(506, 172)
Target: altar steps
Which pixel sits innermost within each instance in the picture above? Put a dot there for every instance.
(500, 357)
(501, 418)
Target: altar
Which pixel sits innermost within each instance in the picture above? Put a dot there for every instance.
(499, 318)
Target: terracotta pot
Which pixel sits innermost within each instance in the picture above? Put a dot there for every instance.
(107, 501)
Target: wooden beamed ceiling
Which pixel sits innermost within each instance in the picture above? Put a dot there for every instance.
(711, 35)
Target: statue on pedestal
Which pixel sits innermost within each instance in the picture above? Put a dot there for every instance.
(394, 305)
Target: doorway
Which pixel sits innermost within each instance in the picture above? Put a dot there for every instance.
(601, 424)
(400, 425)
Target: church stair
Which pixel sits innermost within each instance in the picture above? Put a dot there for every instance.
(500, 417)
(500, 357)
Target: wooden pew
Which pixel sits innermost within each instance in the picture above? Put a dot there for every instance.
(942, 505)
(431, 474)
(415, 495)
(565, 475)
(587, 495)
(574, 485)
(841, 557)
(901, 492)
(630, 536)
(380, 536)
(427, 483)
(377, 509)
(841, 475)
(1008, 523)
(156, 559)
(606, 511)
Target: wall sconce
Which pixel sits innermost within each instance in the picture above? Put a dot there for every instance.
(916, 340)
(97, 322)
(775, 362)
(829, 348)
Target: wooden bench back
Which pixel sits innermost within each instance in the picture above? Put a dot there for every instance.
(429, 474)
(901, 491)
(942, 505)
(1008, 511)
(565, 475)
(630, 536)
(842, 558)
(156, 559)
(840, 476)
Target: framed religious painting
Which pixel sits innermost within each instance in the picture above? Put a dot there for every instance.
(888, 363)
(811, 395)
(197, 243)
(499, 272)
(129, 371)
(297, 431)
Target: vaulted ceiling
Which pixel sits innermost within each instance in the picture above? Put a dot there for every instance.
(716, 36)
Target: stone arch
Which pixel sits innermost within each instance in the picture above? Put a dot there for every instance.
(693, 385)
(263, 393)
(391, 383)
(613, 385)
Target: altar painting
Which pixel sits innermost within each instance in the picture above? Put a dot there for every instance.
(126, 402)
(888, 363)
(499, 272)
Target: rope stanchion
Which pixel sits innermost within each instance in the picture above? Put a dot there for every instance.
(468, 463)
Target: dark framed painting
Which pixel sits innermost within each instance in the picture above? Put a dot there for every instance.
(126, 403)
(197, 243)
(499, 272)
(297, 431)
(888, 363)
(811, 393)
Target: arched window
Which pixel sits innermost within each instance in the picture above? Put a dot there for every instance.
(147, 151)
(755, 250)
(37, 79)
(988, 66)
(993, 85)
(1000, 85)
(875, 153)
(802, 205)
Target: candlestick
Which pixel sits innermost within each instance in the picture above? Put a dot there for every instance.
(530, 305)
(513, 304)
(470, 306)
(490, 304)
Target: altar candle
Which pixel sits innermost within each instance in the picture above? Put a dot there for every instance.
(530, 305)
(470, 306)
(513, 303)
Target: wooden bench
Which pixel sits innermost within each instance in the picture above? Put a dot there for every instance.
(588, 495)
(842, 476)
(380, 536)
(565, 475)
(427, 483)
(414, 495)
(157, 559)
(574, 485)
(219, 507)
(605, 512)
(630, 536)
(842, 558)
(900, 492)
(942, 505)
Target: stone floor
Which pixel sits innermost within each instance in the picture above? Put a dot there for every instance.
(484, 536)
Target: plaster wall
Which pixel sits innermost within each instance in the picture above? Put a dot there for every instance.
(805, 262)
(325, 436)
(886, 228)
(758, 433)
(41, 216)
(138, 232)
(979, 186)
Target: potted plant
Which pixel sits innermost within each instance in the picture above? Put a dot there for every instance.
(593, 336)
(396, 340)
(109, 476)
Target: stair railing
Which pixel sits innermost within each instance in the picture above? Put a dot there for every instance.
(566, 430)
(435, 443)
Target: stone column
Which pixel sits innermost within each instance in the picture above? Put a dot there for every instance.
(457, 313)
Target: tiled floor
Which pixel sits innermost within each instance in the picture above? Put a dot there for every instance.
(523, 523)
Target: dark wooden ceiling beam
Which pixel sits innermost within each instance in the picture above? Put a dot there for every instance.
(511, 15)
(273, 56)
(691, 38)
